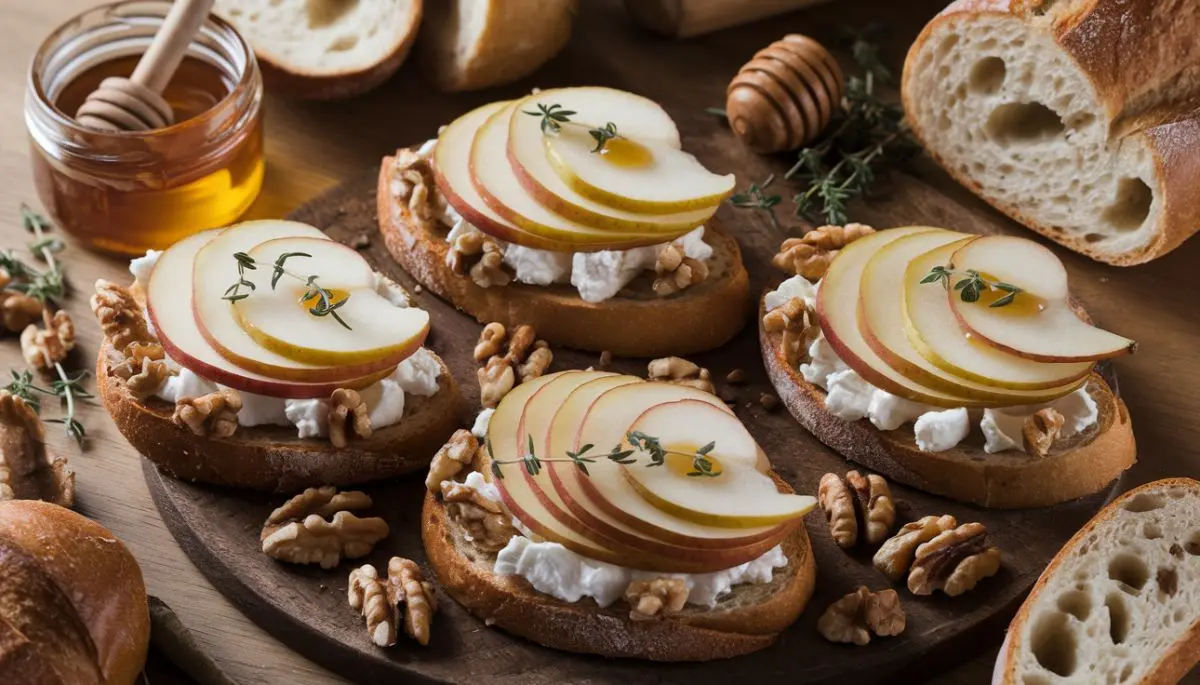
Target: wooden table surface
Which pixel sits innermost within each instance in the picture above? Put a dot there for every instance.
(312, 146)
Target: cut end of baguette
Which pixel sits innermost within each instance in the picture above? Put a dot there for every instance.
(636, 324)
(1004, 103)
(1005, 480)
(272, 458)
(325, 49)
(1121, 602)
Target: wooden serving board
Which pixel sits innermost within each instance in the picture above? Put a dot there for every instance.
(307, 608)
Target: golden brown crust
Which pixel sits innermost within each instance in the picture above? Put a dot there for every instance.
(1007, 480)
(98, 586)
(701, 318)
(272, 457)
(747, 620)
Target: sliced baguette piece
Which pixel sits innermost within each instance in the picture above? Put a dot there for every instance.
(1120, 603)
(746, 620)
(475, 44)
(1007, 480)
(325, 49)
(639, 324)
(1076, 118)
(272, 457)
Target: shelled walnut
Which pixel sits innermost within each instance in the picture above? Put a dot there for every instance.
(458, 451)
(412, 182)
(649, 599)
(486, 524)
(348, 417)
(798, 323)
(43, 348)
(18, 310)
(676, 272)
(478, 255)
(27, 469)
(857, 508)
(854, 617)
(680, 371)
(811, 255)
(120, 316)
(896, 555)
(511, 359)
(1041, 430)
(213, 415)
(379, 600)
(301, 531)
(954, 561)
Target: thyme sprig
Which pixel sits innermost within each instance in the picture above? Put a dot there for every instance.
(754, 197)
(324, 305)
(971, 285)
(66, 387)
(602, 135)
(554, 116)
(702, 465)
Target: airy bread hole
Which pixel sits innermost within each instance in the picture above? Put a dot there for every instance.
(1130, 207)
(1023, 122)
(1129, 570)
(1125, 673)
(1075, 603)
(344, 44)
(1054, 645)
(1151, 530)
(1146, 501)
(987, 76)
(322, 13)
(1193, 545)
(1118, 618)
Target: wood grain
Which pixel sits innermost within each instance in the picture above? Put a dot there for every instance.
(312, 146)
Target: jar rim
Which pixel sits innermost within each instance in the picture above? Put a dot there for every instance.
(247, 82)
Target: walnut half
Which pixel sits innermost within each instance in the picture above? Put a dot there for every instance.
(27, 469)
(510, 359)
(954, 561)
(896, 555)
(484, 522)
(680, 371)
(458, 451)
(213, 415)
(854, 617)
(379, 601)
(301, 532)
(811, 255)
(858, 508)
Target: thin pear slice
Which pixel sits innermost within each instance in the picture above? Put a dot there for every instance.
(279, 315)
(933, 331)
(634, 175)
(503, 192)
(563, 431)
(452, 173)
(636, 117)
(881, 320)
(735, 494)
(1040, 323)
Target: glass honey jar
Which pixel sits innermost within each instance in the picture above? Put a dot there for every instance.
(128, 192)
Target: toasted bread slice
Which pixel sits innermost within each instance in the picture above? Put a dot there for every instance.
(1120, 601)
(1075, 467)
(636, 323)
(272, 457)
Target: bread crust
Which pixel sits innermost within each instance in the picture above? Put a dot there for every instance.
(696, 634)
(1175, 662)
(700, 318)
(1144, 62)
(967, 474)
(272, 457)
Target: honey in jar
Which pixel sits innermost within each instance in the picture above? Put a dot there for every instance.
(127, 192)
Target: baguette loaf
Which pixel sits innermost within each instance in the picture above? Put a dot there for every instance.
(272, 457)
(1121, 602)
(636, 323)
(1078, 118)
(325, 49)
(1076, 467)
(73, 607)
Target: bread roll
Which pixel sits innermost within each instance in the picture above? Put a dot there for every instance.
(73, 605)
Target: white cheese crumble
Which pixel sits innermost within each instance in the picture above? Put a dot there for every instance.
(850, 397)
(480, 428)
(141, 267)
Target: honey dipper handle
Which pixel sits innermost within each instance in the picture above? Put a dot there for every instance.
(181, 24)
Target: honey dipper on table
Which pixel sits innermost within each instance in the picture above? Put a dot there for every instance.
(136, 103)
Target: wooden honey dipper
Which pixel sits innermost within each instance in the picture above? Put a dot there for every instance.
(136, 103)
(786, 95)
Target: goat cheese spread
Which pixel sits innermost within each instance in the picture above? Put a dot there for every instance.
(480, 428)
(597, 276)
(850, 397)
(417, 375)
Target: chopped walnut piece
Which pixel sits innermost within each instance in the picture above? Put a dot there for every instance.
(120, 315)
(144, 369)
(811, 255)
(348, 416)
(523, 358)
(458, 451)
(411, 182)
(680, 371)
(131, 362)
(798, 323)
(954, 561)
(495, 381)
(485, 523)
(27, 469)
(896, 555)
(490, 270)
(490, 340)
(379, 601)
(301, 531)
(521, 343)
(854, 617)
(43, 349)
(214, 415)
(676, 272)
(537, 363)
(650, 599)
(369, 596)
(1041, 429)
(18, 310)
(462, 249)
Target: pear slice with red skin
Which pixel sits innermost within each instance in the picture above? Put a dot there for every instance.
(934, 332)
(881, 321)
(1040, 324)
(169, 308)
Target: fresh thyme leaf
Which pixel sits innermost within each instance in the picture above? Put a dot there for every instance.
(702, 465)
(32, 221)
(279, 271)
(496, 472)
(717, 112)
(51, 244)
(971, 285)
(22, 386)
(961, 284)
(703, 451)
(602, 135)
(553, 116)
(1004, 301)
(754, 197)
(324, 306)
